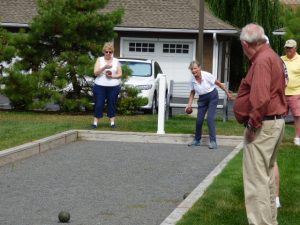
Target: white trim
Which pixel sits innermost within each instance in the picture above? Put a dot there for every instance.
(193, 31)
(14, 24)
(121, 46)
(146, 29)
(278, 33)
(215, 56)
(155, 39)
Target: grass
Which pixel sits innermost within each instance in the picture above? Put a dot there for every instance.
(221, 204)
(17, 128)
(20, 127)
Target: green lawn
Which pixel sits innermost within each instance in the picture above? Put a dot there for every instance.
(20, 127)
(222, 203)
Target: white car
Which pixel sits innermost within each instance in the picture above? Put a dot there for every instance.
(145, 78)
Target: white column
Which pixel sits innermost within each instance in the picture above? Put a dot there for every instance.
(161, 104)
(215, 56)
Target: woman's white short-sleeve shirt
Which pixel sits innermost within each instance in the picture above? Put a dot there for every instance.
(207, 84)
(102, 79)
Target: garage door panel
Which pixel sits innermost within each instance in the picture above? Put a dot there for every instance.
(173, 56)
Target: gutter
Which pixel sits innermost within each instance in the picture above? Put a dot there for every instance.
(17, 25)
(145, 29)
(279, 33)
(172, 30)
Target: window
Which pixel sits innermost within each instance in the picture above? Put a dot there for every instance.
(139, 69)
(176, 48)
(141, 47)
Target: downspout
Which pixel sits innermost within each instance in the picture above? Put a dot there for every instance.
(215, 56)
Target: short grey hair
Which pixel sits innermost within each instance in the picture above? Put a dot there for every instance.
(193, 63)
(253, 33)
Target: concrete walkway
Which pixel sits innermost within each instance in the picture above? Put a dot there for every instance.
(108, 182)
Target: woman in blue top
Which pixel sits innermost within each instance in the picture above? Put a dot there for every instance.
(204, 85)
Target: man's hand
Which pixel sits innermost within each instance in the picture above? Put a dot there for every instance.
(250, 135)
(230, 96)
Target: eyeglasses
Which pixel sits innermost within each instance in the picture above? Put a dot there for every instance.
(108, 52)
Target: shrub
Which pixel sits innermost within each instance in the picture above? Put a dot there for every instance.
(129, 102)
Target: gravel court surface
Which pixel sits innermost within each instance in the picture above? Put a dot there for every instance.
(103, 183)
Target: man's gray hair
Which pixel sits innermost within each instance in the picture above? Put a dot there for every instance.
(253, 33)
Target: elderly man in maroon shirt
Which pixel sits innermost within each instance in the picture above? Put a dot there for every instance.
(260, 106)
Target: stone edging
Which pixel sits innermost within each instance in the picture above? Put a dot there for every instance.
(26, 150)
(196, 194)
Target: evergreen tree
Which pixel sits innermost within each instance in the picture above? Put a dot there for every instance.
(58, 53)
(241, 12)
(7, 50)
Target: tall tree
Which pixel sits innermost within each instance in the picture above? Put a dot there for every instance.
(241, 12)
(58, 52)
(291, 22)
(7, 50)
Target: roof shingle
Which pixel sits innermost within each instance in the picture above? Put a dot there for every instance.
(17, 11)
(162, 14)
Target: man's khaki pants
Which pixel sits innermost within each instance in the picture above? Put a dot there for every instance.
(258, 173)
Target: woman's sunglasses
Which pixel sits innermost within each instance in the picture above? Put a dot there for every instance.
(108, 52)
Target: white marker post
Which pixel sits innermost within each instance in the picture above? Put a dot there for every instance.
(161, 104)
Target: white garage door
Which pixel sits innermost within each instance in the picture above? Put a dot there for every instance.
(173, 55)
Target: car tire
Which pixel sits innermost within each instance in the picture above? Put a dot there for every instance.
(154, 107)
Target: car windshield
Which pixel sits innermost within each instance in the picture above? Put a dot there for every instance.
(139, 69)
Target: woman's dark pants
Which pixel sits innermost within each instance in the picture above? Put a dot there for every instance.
(110, 94)
(207, 103)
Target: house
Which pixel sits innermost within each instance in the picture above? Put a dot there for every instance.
(291, 3)
(164, 30)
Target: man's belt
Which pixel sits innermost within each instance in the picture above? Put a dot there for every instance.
(274, 117)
